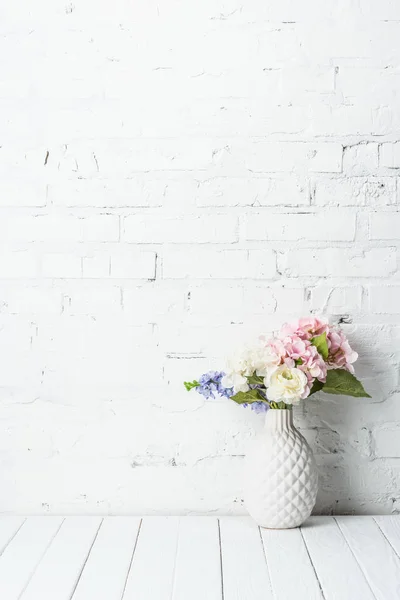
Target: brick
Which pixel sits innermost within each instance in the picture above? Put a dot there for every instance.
(225, 300)
(129, 263)
(329, 226)
(288, 12)
(59, 228)
(384, 299)
(124, 158)
(216, 117)
(152, 301)
(96, 265)
(356, 191)
(385, 226)
(182, 339)
(238, 301)
(18, 161)
(373, 47)
(84, 337)
(285, 300)
(344, 120)
(336, 300)
(268, 191)
(33, 300)
(108, 193)
(149, 229)
(223, 264)
(370, 336)
(360, 159)
(17, 264)
(92, 302)
(356, 82)
(389, 155)
(338, 262)
(269, 157)
(18, 193)
(60, 265)
(386, 10)
(100, 228)
(387, 441)
(179, 192)
(298, 81)
(41, 228)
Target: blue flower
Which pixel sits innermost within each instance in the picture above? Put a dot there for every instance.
(210, 384)
(259, 407)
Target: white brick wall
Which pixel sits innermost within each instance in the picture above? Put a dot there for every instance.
(177, 178)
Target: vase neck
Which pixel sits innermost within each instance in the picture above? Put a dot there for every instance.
(279, 420)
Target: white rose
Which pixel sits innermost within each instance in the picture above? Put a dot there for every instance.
(285, 384)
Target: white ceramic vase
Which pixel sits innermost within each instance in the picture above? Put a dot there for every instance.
(281, 474)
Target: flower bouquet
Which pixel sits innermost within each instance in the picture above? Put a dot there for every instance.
(305, 357)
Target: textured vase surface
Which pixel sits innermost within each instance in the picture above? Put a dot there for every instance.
(281, 474)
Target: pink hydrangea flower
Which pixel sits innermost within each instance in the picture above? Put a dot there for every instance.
(341, 355)
(276, 347)
(305, 328)
(306, 357)
(293, 349)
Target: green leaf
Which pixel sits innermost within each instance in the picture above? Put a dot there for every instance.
(321, 345)
(250, 396)
(339, 381)
(298, 361)
(316, 387)
(189, 385)
(255, 380)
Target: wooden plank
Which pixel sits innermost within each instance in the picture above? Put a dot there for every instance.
(244, 569)
(377, 559)
(108, 564)
(58, 573)
(337, 570)
(390, 527)
(22, 555)
(291, 571)
(9, 526)
(198, 560)
(152, 572)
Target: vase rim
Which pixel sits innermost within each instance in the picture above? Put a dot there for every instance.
(279, 419)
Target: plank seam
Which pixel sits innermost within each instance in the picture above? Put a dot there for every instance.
(40, 559)
(175, 557)
(131, 561)
(8, 542)
(266, 562)
(220, 560)
(86, 559)
(355, 557)
(386, 538)
(312, 564)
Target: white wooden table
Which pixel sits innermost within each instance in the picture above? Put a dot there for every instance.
(198, 558)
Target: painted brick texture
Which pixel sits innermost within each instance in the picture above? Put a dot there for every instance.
(176, 179)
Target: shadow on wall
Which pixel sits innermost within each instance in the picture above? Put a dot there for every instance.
(356, 441)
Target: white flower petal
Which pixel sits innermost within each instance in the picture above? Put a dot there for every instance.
(286, 384)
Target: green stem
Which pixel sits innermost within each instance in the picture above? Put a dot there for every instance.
(281, 405)
(265, 399)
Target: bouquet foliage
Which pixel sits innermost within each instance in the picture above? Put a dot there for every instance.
(305, 357)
